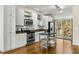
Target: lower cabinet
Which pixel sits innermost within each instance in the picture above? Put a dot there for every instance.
(37, 36)
(21, 40)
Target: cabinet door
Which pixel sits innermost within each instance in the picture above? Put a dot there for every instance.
(9, 27)
(20, 16)
(36, 36)
(12, 25)
(21, 40)
(7, 41)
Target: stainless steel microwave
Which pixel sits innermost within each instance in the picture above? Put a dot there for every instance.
(28, 22)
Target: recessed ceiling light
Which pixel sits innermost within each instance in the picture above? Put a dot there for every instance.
(62, 6)
(61, 11)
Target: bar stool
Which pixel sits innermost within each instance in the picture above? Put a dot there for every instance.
(45, 40)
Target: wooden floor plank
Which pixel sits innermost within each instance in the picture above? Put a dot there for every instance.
(62, 47)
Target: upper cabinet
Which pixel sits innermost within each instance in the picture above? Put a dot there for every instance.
(19, 16)
(45, 20)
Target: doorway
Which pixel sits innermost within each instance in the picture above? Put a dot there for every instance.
(64, 35)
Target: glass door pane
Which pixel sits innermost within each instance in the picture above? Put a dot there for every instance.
(67, 27)
(59, 28)
(63, 28)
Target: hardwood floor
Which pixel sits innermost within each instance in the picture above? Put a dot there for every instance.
(31, 49)
(75, 49)
(62, 47)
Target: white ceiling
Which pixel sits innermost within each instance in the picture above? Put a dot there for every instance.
(51, 9)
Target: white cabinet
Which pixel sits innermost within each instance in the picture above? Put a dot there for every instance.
(1, 28)
(21, 39)
(37, 36)
(35, 21)
(46, 19)
(9, 17)
(19, 16)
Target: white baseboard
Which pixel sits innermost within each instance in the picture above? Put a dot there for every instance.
(12, 49)
(75, 44)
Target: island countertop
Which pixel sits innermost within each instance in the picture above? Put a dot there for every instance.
(34, 30)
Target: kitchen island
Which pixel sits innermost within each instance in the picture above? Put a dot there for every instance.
(34, 30)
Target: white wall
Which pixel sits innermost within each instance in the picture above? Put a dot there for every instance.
(1, 28)
(76, 25)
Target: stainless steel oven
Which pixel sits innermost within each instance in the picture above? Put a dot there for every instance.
(30, 37)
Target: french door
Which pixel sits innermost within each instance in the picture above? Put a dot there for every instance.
(64, 28)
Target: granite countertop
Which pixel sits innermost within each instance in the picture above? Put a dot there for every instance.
(47, 33)
(35, 30)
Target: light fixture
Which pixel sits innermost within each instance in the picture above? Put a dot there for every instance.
(53, 6)
(62, 6)
(61, 11)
